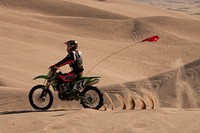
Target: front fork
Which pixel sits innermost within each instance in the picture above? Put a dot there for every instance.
(44, 91)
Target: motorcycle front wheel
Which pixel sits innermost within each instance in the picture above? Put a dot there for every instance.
(40, 98)
(92, 98)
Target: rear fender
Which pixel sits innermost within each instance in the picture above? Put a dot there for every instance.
(91, 80)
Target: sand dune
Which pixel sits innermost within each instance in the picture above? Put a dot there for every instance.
(178, 88)
(149, 87)
(59, 8)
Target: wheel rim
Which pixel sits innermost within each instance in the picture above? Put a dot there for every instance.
(91, 99)
(40, 102)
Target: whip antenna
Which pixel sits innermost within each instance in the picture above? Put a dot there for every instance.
(150, 39)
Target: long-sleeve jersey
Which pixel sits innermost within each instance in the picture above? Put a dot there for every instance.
(74, 60)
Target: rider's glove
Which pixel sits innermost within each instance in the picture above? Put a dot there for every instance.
(53, 67)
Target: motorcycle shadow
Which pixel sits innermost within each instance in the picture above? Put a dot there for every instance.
(32, 111)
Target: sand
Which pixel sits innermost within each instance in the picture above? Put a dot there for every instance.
(148, 87)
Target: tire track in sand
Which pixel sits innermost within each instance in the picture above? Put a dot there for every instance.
(178, 88)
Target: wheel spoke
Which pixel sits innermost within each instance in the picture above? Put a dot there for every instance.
(92, 98)
(37, 100)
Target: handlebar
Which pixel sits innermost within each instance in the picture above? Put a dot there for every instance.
(52, 71)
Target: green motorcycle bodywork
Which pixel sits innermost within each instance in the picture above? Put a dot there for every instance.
(78, 83)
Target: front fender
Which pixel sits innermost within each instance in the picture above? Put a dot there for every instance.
(40, 77)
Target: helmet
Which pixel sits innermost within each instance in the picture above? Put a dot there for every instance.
(71, 45)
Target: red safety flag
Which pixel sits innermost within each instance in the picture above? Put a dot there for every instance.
(151, 39)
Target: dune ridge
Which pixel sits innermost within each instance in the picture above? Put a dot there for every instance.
(150, 87)
(60, 8)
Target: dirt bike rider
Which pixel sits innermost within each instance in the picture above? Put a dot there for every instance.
(75, 62)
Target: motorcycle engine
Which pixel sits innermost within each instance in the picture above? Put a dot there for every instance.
(64, 92)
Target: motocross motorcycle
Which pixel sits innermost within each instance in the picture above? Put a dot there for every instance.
(82, 89)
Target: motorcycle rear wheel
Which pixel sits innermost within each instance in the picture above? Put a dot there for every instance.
(93, 98)
(40, 98)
